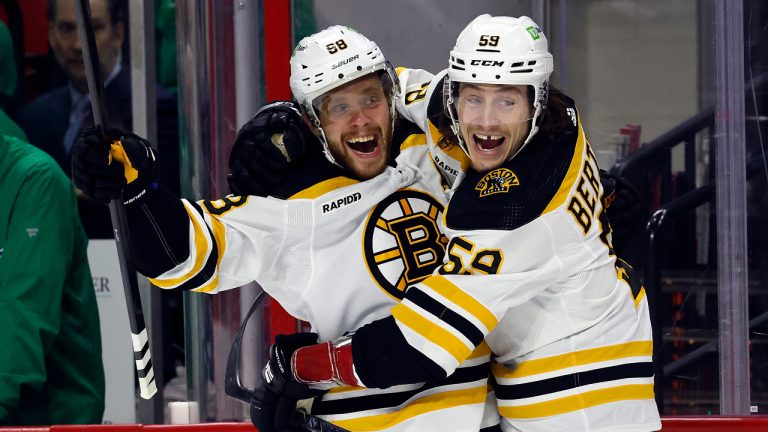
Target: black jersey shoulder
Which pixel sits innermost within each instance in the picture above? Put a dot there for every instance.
(435, 108)
(404, 132)
(315, 168)
(521, 189)
(305, 173)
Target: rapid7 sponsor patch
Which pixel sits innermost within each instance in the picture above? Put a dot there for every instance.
(340, 202)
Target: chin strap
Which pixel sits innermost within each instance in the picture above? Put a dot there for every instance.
(328, 364)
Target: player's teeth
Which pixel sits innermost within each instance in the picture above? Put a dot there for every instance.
(489, 137)
(360, 139)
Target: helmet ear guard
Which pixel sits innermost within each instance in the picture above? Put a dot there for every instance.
(450, 89)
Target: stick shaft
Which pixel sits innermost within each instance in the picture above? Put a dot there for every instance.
(140, 340)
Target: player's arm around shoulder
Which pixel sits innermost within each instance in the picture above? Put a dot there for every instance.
(415, 86)
(230, 241)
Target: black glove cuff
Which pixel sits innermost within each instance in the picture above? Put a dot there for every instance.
(137, 191)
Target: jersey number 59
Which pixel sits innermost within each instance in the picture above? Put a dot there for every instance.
(462, 252)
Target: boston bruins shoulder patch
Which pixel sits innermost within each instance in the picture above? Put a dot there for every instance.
(499, 180)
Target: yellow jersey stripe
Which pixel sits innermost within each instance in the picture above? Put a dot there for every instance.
(324, 187)
(342, 389)
(454, 152)
(482, 350)
(413, 141)
(576, 358)
(445, 288)
(420, 406)
(571, 176)
(431, 332)
(219, 234)
(578, 402)
(201, 246)
(639, 297)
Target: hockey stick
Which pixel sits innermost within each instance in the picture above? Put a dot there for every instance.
(141, 354)
(233, 388)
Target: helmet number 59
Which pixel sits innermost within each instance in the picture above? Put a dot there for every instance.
(487, 40)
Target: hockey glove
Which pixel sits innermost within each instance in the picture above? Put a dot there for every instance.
(111, 163)
(271, 412)
(265, 145)
(282, 390)
(620, 200)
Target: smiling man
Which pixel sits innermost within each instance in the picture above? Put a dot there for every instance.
(494, 119)
(356, 122)
(350, 110)
(529, 268)
(359, 222)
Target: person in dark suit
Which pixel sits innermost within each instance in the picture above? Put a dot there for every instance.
(54, 120)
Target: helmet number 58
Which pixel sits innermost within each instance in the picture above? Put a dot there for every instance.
(336, 46)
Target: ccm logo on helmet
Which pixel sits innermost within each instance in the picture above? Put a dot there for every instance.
(343, 62)
(487, 63)
(349, 199)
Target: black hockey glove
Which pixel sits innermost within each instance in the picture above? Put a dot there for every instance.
(282, 391)
(108, 163)
(265, 145)
(620, 200)
(271, 412)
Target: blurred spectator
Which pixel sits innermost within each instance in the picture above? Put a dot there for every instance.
(53, 121)
(8, 80)
(50, 364)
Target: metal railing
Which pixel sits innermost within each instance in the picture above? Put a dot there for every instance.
(665, 202)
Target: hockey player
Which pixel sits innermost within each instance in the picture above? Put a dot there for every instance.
(361, 223)
(529, 266)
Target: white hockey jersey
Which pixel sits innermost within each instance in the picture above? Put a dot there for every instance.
(422, 104)
(339, 254)
(530, 270)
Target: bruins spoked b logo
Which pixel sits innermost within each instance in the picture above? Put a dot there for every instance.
(402, 241)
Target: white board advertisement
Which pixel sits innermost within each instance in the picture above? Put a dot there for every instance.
(117, 352)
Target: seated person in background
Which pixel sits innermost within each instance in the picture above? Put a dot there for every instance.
(50, 360)
(8, 80)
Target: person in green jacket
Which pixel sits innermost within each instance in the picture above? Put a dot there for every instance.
(8, 80)
(50, 344)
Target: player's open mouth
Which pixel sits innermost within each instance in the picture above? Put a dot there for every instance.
(488, 142)
(364, 146)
